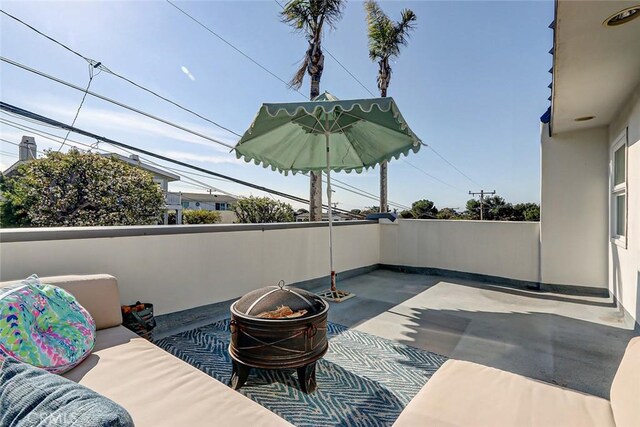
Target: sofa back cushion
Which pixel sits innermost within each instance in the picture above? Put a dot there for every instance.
(625, 390)
(98, 293)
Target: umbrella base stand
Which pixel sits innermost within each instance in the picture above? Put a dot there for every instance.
(336, 296)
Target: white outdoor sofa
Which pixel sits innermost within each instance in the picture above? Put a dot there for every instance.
(155, 387)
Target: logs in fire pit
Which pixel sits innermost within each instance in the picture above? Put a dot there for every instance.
(278, 328)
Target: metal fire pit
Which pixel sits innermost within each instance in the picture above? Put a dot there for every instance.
(278, 343)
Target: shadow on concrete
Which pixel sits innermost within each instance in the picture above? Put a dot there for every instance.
(573, 353)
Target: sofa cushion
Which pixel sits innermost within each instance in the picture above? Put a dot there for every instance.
(160, 389)
(464, 394)
(44, 325)
(33, 397)
(625, 390)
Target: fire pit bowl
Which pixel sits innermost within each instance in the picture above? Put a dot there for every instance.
(278, 343)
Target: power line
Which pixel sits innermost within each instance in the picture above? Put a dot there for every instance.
(84, 96)
(363, 193)
(112, 101)
(183, 174)
(452, 165)
(102, 67)
(42, 133)
(44, 35)
(432, 177)
(233, 47)
(8, 107)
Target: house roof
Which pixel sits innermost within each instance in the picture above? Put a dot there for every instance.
(208, 198)
(595, 66)
(135, 161)
(13, 167)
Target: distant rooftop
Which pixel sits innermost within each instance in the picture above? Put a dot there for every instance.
(209, 197)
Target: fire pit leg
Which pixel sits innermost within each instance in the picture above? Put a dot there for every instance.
(239, 375)
(307, 378)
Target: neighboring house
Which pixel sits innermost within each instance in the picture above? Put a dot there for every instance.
(28, 150)
(590, 163)
(220, 203)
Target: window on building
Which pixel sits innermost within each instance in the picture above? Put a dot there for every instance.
(185, 205)
(619, 190)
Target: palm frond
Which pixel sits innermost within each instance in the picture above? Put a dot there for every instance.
(404, 27)
(332, 11)
(385, 36)
(298, 77)
(309, 15)
(297, 14)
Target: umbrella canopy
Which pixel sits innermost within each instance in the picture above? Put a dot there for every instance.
(291, 137)
(327, 134)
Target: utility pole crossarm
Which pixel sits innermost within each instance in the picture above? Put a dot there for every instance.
(482, 193)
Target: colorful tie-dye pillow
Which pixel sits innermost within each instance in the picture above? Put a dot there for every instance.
(44, 326)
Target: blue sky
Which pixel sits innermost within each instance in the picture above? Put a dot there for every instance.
(472, 84)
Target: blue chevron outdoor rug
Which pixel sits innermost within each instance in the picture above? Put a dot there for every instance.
(363, 380)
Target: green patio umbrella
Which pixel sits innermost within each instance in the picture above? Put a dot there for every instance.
(327, 134)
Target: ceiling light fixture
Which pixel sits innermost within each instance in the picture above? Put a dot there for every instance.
(584, 119)
(622, 17)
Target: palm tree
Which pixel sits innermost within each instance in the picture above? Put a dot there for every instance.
(309, 18)
(385, 40)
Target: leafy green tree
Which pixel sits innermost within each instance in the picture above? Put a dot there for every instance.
(79, 189)
(255, 210)
(447, 213)
(424, 209)
(200, 216)
(407, 214)
(385, 40)
(309, 17)
(527, 211)
(473, 209)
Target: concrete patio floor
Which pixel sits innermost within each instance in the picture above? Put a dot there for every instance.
(576, 342)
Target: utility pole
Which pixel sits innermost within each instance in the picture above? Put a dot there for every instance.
(482, 193)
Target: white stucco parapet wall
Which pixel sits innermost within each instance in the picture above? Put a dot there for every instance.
(182, 267)
(493, 248)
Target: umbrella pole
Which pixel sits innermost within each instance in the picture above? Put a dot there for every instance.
(330, 211)
(332, 294)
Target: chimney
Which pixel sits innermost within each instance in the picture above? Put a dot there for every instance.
(28, 148)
